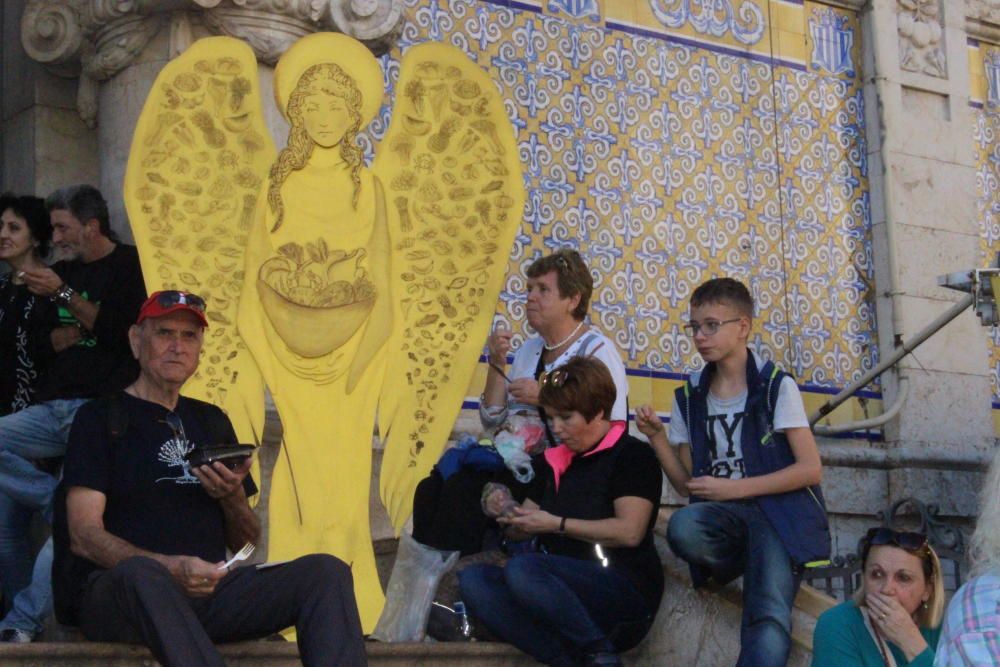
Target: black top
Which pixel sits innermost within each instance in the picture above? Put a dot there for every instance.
(154, 501)
(25, 323)
(101, 363)
(588, 489)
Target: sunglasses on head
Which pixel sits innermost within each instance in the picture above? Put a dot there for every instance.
(878, 537)
(170, 298)
(554, 378)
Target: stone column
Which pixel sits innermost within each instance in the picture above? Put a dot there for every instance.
(113, 51)
(923, 187)
(43, 142)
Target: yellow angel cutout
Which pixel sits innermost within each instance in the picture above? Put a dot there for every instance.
(197, 162)
(368, 292)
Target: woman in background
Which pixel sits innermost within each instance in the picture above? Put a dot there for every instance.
(25, 319)
(25, 323)
(894, 619)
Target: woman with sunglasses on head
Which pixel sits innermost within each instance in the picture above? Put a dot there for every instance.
(25, 319)
(895, 617)
(446, 512)
(970, 634)
(594, 584)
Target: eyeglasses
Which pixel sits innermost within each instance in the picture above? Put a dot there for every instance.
(554, 378)
(708, 327)
(173, 420)
(171, 298)
(878, 537)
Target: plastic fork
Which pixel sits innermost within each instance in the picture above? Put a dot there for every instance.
(242, 554)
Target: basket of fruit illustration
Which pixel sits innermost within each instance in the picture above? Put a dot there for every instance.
(315, 298)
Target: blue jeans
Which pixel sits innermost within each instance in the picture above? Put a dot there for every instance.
(733, 538)
(37, 432)
(15, 548)
(34, 603)
(551, 607)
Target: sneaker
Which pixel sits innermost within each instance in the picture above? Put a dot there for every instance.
(16, 636)
(602, 659)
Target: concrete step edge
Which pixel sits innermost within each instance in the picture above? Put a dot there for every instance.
(257, 649)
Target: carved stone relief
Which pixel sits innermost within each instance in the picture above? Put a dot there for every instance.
(987, 11)
(921, 31)
(96, 39)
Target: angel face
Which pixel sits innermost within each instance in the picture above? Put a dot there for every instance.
(325, 118)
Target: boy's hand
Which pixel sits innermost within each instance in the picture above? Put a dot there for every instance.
(647, 421)
(715, 488)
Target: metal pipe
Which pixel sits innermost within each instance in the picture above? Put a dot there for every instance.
(873, 422)
(904, 349)
(864, 457)
(887, 94)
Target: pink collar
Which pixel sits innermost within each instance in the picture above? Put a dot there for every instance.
(560, 457)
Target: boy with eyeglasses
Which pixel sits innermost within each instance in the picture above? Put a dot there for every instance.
(741, 448)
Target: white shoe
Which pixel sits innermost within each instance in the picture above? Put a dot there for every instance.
(16, 636)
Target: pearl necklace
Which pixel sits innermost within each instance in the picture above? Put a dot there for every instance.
(565, 340)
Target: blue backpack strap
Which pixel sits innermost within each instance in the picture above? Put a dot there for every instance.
(682, 397)
(772, 377)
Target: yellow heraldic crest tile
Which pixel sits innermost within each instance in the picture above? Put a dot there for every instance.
(198, 159)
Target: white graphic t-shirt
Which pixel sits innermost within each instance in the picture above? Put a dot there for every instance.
(725, 427)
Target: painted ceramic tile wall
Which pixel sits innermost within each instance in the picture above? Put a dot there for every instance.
(671, 141)
(984, 65)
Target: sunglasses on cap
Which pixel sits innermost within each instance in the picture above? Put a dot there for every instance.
(879, 537)
(171, 298)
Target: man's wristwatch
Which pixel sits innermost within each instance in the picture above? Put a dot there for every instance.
(63, 295)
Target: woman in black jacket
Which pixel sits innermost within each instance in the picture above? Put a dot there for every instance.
(594, 583)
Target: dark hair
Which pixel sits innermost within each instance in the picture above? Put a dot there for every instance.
(572, 274)
(724, 291)
(32, 209)
(583, 384)
(85, 202)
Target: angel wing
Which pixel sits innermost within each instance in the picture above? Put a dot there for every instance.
(454, 191)
(199, 155)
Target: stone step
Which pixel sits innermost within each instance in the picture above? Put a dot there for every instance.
(264, 654)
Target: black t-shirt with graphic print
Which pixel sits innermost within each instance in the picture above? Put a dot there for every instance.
(153, 500)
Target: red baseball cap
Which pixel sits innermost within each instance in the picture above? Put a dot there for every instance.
(170, 301)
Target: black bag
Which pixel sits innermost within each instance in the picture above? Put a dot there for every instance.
(232, 456)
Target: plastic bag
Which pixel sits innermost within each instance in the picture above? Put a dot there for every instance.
(414, 581)
(497, 501)
(529, 428)
(511, 447)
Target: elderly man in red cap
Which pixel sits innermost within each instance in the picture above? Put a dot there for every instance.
(141, 536)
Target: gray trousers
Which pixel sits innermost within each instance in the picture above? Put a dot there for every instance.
(139, 602)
